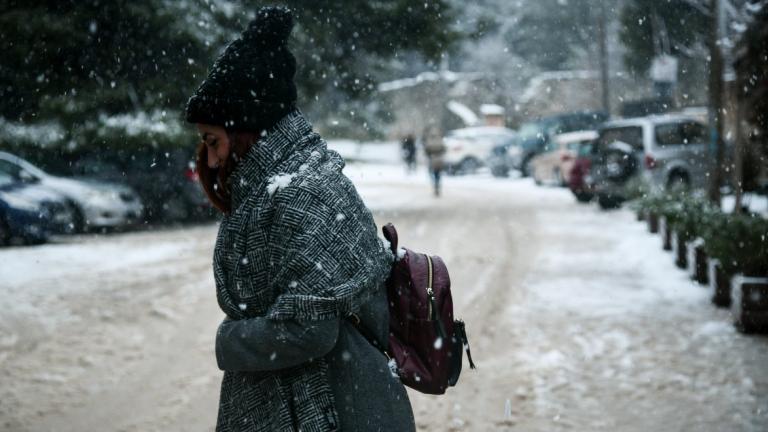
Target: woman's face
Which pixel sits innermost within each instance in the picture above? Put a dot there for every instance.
(217, 143)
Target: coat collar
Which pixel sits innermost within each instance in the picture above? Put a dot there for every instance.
(266, 154)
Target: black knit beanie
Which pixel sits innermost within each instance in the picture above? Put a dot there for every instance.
(250, 87)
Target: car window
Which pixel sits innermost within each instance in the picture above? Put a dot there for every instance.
(5, 179)
(669, 134)
(585, 149)
(694, 133)
(675, 134)
(574, 146)
(632, 135)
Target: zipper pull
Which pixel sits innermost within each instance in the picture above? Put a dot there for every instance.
(439, 327)
(462, 332)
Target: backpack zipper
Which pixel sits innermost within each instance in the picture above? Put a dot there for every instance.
(431, 308)
(430, 292)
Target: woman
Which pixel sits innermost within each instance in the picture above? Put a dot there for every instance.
(297, 257)
(435, 150)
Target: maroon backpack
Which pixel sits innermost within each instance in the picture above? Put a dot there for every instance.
(425, 341)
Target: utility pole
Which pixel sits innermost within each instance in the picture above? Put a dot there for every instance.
(715, 103)
(603, 35)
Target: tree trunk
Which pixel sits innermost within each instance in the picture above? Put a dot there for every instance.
(603, 35)
(715, 104)
(738, 151)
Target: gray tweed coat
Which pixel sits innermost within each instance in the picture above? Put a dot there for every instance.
(298, 254)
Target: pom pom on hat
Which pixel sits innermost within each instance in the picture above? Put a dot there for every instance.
(272, 25)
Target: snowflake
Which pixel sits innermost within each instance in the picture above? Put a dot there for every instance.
(438, 343)
(393, 367)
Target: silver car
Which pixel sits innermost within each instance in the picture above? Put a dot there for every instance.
(668, 151)
(96, 204)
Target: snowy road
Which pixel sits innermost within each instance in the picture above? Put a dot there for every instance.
(578, 321)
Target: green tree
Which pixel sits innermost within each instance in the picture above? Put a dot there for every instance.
(550, 33)
(71, 60)
(651, 27)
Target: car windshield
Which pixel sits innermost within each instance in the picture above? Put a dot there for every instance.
(585, 149)
(5, 179)
(530, 131)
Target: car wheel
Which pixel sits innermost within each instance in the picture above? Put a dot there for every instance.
(583, 197)
(678, 181)
(525, 167)
(500, 171)
(78, 219)
(469, 166)
(5, 232)
(608, 202)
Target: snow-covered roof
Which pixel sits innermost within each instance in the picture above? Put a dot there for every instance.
(444, 75)
(133, 124)
(491, 109)
(41, 133)
(537, 83)
(464, 112)
(650, 119)
(481, 130)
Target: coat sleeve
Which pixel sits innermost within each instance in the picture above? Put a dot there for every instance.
(263, 344)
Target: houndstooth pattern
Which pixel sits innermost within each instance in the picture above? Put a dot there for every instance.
(307, 251)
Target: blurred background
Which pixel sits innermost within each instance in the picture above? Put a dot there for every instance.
(567, 129)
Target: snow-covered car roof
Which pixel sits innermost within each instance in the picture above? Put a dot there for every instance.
(570, 137)
(651, 119)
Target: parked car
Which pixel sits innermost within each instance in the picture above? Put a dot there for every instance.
(61, 219)
(534, 135)
(504, 156)
(668, 151)
(554, 163)
(580, 180)
(21, 218)
(165, 180)
(467, 149)
(95, 204)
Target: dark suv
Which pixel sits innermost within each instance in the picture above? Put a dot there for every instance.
(534, 136)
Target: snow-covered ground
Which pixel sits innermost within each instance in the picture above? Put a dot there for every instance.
(577, 320)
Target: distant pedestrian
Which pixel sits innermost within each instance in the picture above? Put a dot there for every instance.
(409, 153)
(297, 255)
(435, 150)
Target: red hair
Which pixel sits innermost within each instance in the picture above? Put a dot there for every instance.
(215, 180)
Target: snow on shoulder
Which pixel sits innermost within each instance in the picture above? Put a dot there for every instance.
(280, 181)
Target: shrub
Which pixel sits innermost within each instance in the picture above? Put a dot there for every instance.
(690, 215)
(739, 242)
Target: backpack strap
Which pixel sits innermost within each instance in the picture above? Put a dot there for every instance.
(390, 233)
